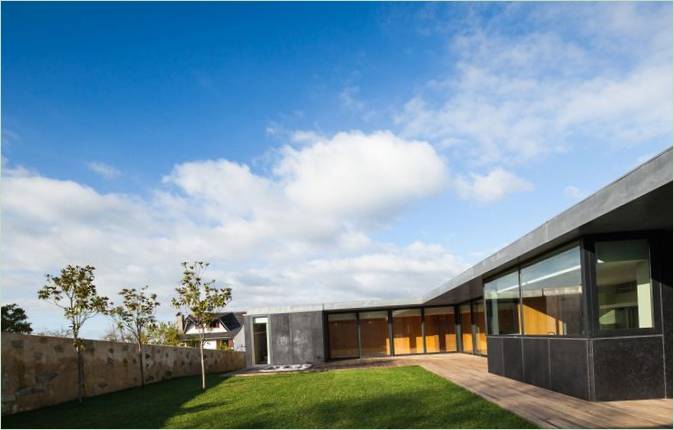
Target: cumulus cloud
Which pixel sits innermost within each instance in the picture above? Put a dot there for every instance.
(275, 239)
(490, 187)
(104, 170)
(362, 175)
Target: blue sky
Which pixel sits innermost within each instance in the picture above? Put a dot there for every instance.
(311, 152)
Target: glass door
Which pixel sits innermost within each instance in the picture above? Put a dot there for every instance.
(466, 328)
(260, 341)
(480, 332)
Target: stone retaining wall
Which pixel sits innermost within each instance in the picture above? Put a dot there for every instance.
(39, 371)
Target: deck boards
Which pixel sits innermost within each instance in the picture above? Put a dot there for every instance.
(543, 407)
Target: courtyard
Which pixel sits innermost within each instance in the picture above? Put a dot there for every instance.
(386, 397)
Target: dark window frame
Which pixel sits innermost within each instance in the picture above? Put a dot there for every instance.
(392, 338)
(514, 268)
(651, 238)
(357, 311)
(548, 254)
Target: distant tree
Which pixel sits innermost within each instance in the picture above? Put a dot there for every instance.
(164, 333)
(14, 320)
(200, 299)
(74, 292)
(135, 315)
(55, 332)
(115, 334)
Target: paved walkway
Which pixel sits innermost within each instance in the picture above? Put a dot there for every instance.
(545, 408)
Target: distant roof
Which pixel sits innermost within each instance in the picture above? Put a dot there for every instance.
(233, 321)
(583, 217)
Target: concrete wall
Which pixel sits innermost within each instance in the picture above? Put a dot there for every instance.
(39, 371)
(294, 338)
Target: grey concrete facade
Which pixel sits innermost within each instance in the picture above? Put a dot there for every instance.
(294, 337)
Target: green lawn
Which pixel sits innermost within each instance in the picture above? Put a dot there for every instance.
(400, 397)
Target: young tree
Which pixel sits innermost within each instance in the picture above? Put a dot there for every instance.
(135, 316)
(14, 320)
(164, 333)
(200, 299)
(74, 292)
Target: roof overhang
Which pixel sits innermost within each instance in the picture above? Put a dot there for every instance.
(639, 200)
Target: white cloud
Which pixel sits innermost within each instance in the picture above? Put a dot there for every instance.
(573, 192)
(511, 98)
(275, 239)
(491, 187)
(361, 175)
(104, 170)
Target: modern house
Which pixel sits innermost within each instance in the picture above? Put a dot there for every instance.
(581, 305)
(225, 331)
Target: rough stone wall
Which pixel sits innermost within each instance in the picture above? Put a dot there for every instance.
(39, 371)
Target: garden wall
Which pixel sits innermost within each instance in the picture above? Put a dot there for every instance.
(39, 371)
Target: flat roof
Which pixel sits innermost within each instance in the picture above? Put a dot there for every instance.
(645, 178)
(611, 208)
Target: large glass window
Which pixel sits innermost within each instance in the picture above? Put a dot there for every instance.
(343, 334)
(624, 285)
(480, 334)
(552, 295)
(502, 298)
(440, 329)
(374, 340)
(407, 337)
(466, 328)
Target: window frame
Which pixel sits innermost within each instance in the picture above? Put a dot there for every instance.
(583, 311)
(509, 270)
(357, 311)
(656, 290)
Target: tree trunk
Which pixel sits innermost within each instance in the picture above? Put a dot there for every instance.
(203, 369)
(80, 373)
(140, 363)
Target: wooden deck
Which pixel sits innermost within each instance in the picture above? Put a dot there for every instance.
(545, 408)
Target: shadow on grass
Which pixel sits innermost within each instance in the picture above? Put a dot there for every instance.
(416, 409)
(149, 407)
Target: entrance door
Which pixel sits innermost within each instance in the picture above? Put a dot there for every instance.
(480, 332)
(466, 328)
(260, 341)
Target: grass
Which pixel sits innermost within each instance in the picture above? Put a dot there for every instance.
(399, 397)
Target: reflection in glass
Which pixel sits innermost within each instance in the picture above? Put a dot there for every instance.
(480, 333)
(624, 285)
(407, 337)
(343, 334)
(440, 329)
(466, 328)
(502, 297)
(374, 334)
(552, 295)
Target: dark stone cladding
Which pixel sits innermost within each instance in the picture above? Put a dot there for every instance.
(536, 362)
(629, 368)
(512, 357)
(495, 355)
(569, 367)
(558, 364)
